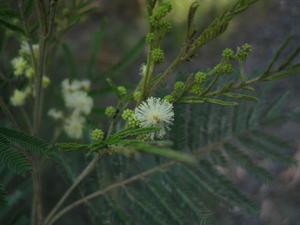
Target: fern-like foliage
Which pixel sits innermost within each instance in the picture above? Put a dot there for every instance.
(13, 158)
(189, 194)
(28, 142)
(16, 149)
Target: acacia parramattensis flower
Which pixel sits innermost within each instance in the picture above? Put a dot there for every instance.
(155, 112)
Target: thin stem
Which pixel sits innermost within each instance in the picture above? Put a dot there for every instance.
(82, 175)
(27, 119)
(110, 187)
(103, 191)
(7, 112)
(37, 211)
(89, 168)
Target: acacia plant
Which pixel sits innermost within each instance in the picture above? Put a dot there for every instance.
(161, 158)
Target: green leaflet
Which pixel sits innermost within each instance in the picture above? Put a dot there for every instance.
(68, 147)
(28, 142)
(164, 152)
(220, 102)
(13, 159)
(243, 96)
(246, 162)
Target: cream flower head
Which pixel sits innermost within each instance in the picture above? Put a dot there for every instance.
(155, 112)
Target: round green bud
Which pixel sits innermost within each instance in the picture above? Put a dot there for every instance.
(154, 22)
(127, 113)
(196, 89)
(223, 68)
(157, 55)
(121, 90)
(179, 85)
(169, 98)
(244, 51)
(166, 26)
(133, 122)
(247, 48)
(137, 95)
(161, 11)
(228, 53)
(200, 77)
(110, 111)
(150, 38)
(97, 135)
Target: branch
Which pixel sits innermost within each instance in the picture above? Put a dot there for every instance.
(166, 165)
(83, 174)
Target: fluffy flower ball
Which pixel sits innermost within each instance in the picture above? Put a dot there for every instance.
(155, 112)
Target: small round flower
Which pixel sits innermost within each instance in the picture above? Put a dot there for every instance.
(25, 49)
(223, 68)
(121, 90)
(133, 122)
(143, 69)
(79, 101)
(20, 65)
(55, 114)
(110, 111)
(158, 55)
(150, 38)
(196, 89)
(86, 85)
(97, 135)
(228, 53)
(127, 113)
(137, 95)
(18, 98)
(169, 98)
(73, 125)
(46, 81)
(179, 85)
(29, 73)
(155, 112)
(200, 77)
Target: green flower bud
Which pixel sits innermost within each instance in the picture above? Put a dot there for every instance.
(179, 85)
(166, 26)
(169, 98)
(159, 13)
(137, 95)
(244, 51)
(110, 111)
(223, 68)
(127, 113)
(121, 90)
(157, 55)
(97, 135)
(196, 89)
(150, 38)
(200, 77)
(228, 53)
(247, 48)
(45, 81)
(133, 122)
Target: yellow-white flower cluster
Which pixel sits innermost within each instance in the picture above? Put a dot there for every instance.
(155, 112)
(22, 67)
(79, 105)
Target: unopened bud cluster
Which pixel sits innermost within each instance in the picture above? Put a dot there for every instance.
(130, 117)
